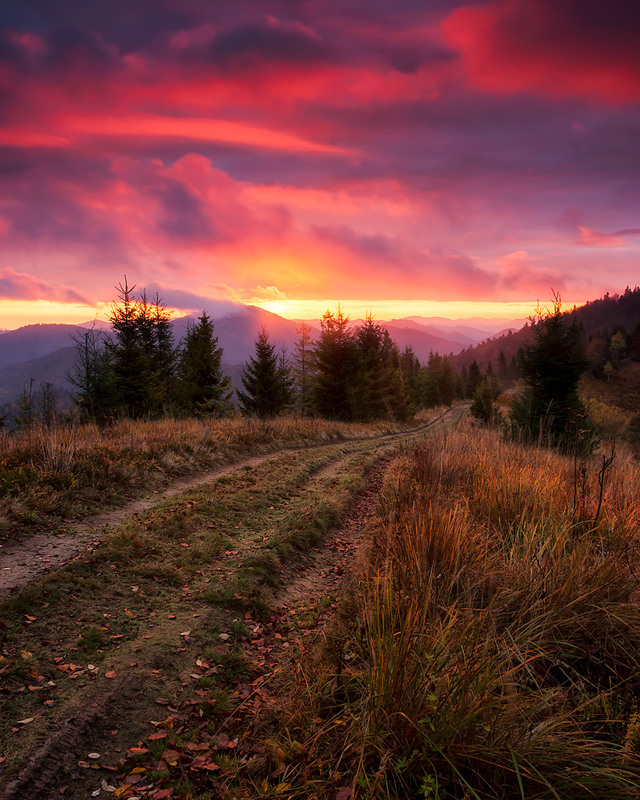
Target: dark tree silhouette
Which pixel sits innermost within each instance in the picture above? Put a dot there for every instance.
(549, 409)
(336, 357)
(203, 388)
(262, 381)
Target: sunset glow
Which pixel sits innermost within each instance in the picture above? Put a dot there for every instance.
(453, 159)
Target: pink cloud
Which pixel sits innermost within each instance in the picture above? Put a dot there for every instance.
(589, 238)
(22, 286)
(521, 276)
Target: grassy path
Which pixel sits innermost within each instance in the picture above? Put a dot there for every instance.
(24, 560)
(93, 652)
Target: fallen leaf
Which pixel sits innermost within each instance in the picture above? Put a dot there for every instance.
(25, 721)
(171, 757)
(111, 674)
(344, 793)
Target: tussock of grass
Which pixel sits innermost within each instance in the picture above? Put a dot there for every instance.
(497, 648)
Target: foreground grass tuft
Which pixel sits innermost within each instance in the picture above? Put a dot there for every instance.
(495, 651)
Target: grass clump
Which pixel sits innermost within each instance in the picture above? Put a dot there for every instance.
(496, 648)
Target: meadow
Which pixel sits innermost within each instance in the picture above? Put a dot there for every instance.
(491, 646)
(481, 638)
(50, 475)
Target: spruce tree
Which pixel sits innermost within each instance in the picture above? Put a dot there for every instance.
(128, 353)
(92, 377)
(336, 358)
(262, 381)
(549, 409)
(203, 388)
(303, 371)
(24, 417)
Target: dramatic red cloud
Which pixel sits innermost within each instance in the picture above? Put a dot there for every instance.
(339, 151)
(561, 48)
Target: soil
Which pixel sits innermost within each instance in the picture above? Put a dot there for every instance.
(316, 586)
(116, 716)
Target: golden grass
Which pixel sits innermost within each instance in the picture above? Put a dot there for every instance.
(497, 634)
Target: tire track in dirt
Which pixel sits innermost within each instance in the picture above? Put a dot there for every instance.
(320, 574)
(24, 562)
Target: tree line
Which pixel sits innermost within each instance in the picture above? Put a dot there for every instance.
(347, 372)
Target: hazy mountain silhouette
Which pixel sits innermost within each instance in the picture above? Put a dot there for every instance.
(46, 352)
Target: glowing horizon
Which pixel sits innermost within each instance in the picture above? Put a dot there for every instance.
(14, 313)
(442, 161)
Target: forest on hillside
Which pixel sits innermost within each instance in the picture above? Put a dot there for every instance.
(348, 372)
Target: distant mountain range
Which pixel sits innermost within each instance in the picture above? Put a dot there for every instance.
(45, 353)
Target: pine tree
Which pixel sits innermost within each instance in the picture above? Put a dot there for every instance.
(48, 405)
(203, 388)
(410, 367)
(549, 408)
(286, 380)
(303, 371)
(262, 381)
(92, 377)
(24, 417)
(336, 358)
(474, 378)
(381, 393)
(128, 353)
(483, 407)
(131, 371)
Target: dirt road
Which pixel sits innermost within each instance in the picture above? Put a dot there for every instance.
(174, 605)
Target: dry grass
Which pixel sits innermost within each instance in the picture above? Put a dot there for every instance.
(61, 473)
(496, 649)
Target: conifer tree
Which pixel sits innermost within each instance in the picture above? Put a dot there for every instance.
(549, 408)
(262, 381)
(203, 388)
(336, 358)
(128, 353)
(410, 367)
(48, 397)
(303, 371)
(130, 371)
(380, 390)
(473, 379)
(286, 380)
(24, 416)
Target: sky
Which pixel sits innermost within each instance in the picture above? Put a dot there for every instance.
(408, 157)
